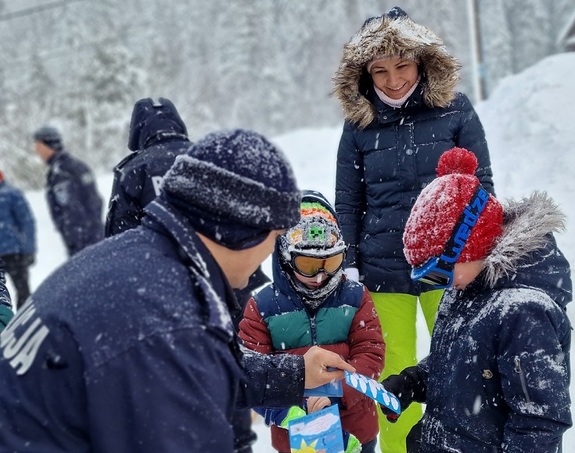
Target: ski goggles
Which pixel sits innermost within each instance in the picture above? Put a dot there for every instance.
(310, 266)
(437, 271)
(434, 272)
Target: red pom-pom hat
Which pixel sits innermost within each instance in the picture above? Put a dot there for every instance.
(440, 205)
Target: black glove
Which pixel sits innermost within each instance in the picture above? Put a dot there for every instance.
(407, 386)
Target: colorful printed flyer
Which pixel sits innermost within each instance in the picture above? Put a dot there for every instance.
(374, 390)
(319, 432)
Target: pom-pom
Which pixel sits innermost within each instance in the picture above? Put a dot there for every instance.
(457, 161)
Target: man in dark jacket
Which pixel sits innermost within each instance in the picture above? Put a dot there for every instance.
(129, 346)
(157, 136)
(17, 237)
(73, 199)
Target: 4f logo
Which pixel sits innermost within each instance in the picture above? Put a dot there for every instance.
(20, 351)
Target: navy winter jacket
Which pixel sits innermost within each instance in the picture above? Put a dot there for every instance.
(380, 172)
(157, 136)
(74, 201)
(387, 155)
(498, 372)
(17, 224)
(129, 347)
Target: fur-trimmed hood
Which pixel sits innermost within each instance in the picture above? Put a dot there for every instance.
(526, 252)
(393, 33)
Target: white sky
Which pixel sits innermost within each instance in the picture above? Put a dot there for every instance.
(529, 121)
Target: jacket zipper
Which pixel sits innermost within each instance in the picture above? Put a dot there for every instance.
(519, 370)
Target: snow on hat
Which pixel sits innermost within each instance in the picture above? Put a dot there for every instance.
(234, 187)
(440, 205)
(50, 136)
(317, 233)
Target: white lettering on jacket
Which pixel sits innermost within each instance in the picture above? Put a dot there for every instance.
(20, 352)
(157, 184)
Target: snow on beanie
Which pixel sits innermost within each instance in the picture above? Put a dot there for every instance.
(440, 205)
(50, 136)
(317, 233)
(234, 187)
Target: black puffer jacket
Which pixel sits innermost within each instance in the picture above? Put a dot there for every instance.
(387, 155)
(157, 136)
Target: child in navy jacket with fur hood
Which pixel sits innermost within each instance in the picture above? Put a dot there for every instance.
(497, 377)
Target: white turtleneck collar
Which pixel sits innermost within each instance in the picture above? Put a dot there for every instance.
(396, 103)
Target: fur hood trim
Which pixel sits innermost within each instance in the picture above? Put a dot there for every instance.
(392, 34)
(526, 223)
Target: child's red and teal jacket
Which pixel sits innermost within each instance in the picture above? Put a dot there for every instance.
(276, 320)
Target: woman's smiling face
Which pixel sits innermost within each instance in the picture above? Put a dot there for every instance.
(394, 76)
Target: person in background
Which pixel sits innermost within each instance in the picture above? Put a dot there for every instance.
(396, 84)
(135, 335)
(6, 313)
(73, 199)
(497, 376)
(311, 294)
(17, 238)
(157, 135)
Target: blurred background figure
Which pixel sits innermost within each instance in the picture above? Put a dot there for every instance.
(71, 192)
(6, 312)
(17, 238)
(157, 135)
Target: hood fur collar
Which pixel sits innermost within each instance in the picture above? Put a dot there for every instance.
(526, 224)
(392, 34)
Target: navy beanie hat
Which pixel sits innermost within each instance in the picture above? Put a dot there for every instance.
(234, 187)
(50, 136)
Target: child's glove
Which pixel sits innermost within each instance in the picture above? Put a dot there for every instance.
(407, 386)
(292, 413)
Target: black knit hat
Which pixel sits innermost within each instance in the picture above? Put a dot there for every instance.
(50, 136)
(234, 187)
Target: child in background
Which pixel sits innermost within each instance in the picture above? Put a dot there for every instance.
(311, 302)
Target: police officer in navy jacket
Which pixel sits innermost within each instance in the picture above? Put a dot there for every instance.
(73, 198)
(129, 346)
(157, 136)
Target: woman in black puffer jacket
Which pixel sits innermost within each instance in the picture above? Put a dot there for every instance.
(396, 84)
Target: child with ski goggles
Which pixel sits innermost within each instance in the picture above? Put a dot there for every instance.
(311, 302)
